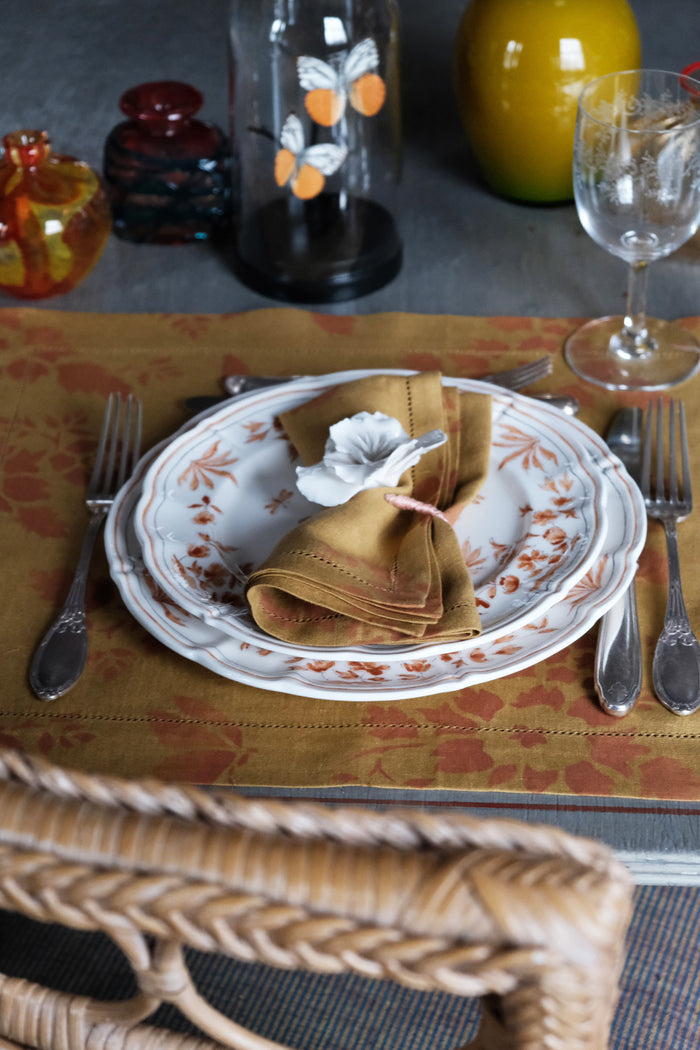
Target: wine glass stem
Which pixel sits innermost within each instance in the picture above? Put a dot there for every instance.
(634, 339)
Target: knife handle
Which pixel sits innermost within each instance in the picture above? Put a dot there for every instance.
(618, 658)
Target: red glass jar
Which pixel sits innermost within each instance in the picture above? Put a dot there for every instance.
(54, 218)
(167, 173)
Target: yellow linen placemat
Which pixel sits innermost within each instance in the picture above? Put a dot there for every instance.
(141, 709)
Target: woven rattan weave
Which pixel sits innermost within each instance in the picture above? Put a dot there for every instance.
(528, 917)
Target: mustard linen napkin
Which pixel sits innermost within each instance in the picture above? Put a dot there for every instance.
(367, 572)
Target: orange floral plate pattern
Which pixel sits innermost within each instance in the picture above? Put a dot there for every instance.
(380, 679)
(220, 496)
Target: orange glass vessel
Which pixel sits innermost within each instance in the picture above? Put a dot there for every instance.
(54, 218)
(520, 66)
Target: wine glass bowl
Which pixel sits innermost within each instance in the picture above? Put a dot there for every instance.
(637, 190)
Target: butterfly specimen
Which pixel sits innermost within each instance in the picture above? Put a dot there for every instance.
(329, 90)
(305, 167)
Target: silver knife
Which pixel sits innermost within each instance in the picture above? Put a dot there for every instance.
(618, 658)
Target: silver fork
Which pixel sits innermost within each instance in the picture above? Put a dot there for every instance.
(511, 378)
(676, 667)
(60, 657)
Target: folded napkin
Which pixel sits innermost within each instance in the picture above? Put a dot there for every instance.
(368, 571)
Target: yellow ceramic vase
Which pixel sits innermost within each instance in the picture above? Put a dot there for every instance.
(520, 66)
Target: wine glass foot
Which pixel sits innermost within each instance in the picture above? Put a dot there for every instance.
(592, 354)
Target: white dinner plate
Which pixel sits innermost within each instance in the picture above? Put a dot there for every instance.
(321, 675)
(219, 497)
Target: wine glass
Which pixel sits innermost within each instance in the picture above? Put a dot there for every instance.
(637, 190)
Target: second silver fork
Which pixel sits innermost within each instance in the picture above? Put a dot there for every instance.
(60, 657)
(510, 378)
(676, 668)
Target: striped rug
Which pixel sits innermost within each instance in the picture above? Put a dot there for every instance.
(659, 1006)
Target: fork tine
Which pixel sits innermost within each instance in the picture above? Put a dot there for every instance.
(660, 490)
(673, 469)
(126, 435)
(645, 472)
(131, 439)
(533, 370)
(108, 475)
(136, 453)
(101, 445)
(522, 375)
(685, 457)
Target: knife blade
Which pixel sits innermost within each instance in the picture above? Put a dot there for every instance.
(618, 658)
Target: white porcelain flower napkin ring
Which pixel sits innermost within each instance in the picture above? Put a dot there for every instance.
(366, 451)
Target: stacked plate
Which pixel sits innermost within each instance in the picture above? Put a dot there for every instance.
(550, 542)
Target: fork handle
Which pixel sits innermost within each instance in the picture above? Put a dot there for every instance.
(676, 667)
(60, 657)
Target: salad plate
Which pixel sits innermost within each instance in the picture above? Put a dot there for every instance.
(218, 497)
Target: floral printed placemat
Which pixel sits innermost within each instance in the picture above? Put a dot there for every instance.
(141, 709)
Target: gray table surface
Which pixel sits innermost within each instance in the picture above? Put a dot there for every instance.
(64, 65)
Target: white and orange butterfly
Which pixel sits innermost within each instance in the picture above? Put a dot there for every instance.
(329, 90)
(305, 167)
